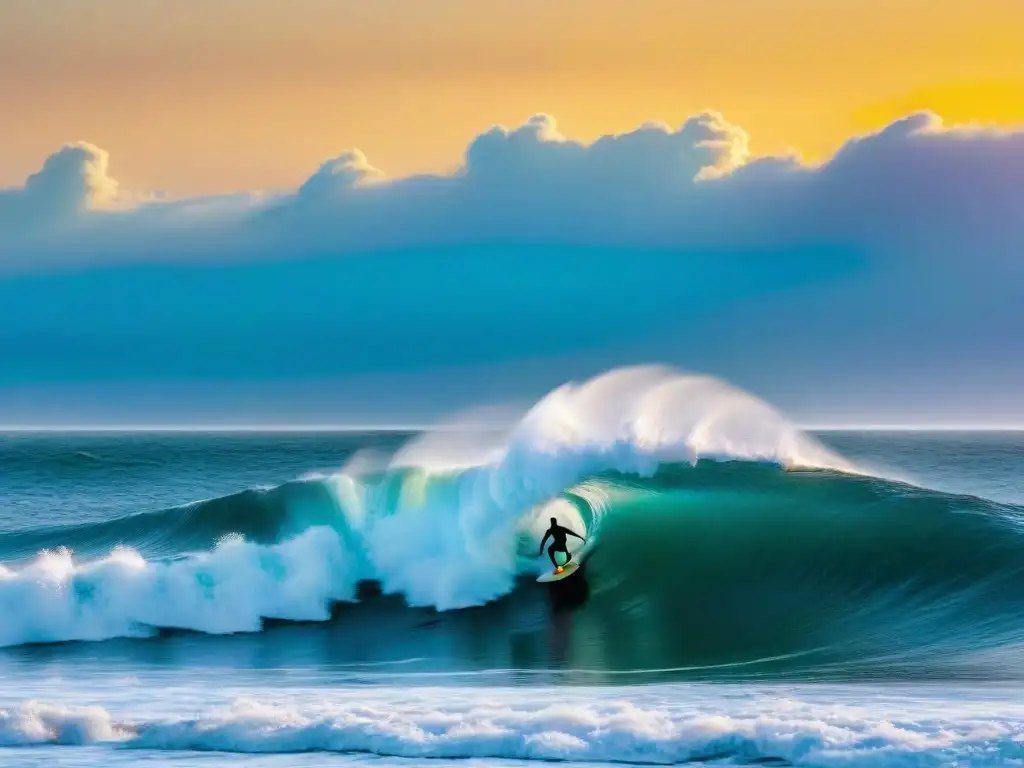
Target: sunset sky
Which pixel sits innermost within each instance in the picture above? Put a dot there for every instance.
(197, 97)
(329, 211)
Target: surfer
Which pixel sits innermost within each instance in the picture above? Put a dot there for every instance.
(558, 534)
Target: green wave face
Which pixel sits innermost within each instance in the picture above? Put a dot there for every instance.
(722, 570)
(738, 569)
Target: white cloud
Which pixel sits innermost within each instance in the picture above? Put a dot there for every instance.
(915, 181)
(72, 181)
(904, 249)
(348, 171)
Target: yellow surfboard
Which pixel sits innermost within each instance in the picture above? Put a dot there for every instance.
(566, 571)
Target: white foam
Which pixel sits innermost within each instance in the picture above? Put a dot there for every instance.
(593, 728)
(33, 723)
(229, 589)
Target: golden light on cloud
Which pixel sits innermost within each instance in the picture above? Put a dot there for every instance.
(994, 101)
(223, 95)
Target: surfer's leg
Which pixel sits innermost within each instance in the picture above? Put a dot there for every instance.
(551, 554)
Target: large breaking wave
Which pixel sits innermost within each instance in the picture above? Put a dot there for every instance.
(722, 540)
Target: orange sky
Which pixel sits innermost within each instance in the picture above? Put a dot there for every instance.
(194, 96)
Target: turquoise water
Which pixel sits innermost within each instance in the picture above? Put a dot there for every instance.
(184, 597)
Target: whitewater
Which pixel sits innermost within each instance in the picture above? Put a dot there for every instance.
(750, 592)
(660, 725)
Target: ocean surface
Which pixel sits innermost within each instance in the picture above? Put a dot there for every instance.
(750, 593)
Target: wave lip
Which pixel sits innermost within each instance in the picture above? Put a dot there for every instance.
(782, 730)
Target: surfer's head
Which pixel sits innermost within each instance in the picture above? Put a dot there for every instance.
(554, 521)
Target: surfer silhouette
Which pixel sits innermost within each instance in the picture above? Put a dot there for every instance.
(558, 544)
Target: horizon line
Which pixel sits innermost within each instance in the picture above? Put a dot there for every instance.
(358, 428)
(194, 428)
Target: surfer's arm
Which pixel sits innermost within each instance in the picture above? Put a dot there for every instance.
(573, 533)
(543, 541)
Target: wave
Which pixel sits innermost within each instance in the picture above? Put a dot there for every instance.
(261, 515)
(779, 731)
(722, 541)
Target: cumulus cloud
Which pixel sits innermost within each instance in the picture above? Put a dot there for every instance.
(529, 184)
(920, 179)
(537, 153)
(655, 186)
(905, 245)
(341, 174)
(73, 180)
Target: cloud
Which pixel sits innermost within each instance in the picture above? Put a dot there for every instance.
(348, 171)
(72, 181)
(528, 184)
(653, 154)
(655, 186)
(898, 254)
(922, 183)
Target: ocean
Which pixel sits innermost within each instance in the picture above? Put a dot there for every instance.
(749, 594)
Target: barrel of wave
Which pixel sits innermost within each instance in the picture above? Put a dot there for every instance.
(537, 521)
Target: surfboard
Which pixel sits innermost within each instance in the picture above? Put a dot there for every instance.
(567, 571)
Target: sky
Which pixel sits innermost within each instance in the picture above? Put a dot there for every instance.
(215, 96)
(368, 213)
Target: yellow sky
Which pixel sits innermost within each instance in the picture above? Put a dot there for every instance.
(195, 96)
